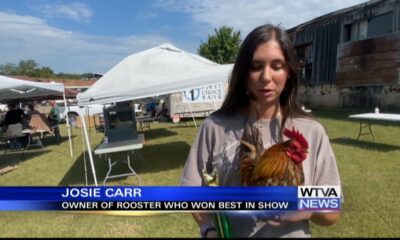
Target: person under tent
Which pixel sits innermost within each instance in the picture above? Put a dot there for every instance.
(12, 125)
(54, 119)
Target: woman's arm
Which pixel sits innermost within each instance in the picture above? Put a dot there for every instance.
(204, 220)
(325, 219)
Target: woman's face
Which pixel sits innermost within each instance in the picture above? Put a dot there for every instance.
(268, 73)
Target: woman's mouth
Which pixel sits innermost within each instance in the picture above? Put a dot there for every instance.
(266, 92)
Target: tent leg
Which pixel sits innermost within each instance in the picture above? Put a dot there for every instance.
(191, 111)
(84, 157)
(68, 126)
(88, 117)
(215, 106)
(89, 149)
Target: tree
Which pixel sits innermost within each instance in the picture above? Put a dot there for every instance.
(87, 76)
(8, 69)
(46, 72)
(27, 67)
(222, 47)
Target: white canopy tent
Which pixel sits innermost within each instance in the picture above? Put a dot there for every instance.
(16, 89)
(156, 71)
(12, 88)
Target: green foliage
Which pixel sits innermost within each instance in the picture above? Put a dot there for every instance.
(8, 69)
(222, 47)
(67, 76)
(27, 67)
(88, 76)
(46, 72)
(31, 69)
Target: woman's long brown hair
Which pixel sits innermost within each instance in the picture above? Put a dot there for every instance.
(237, 98)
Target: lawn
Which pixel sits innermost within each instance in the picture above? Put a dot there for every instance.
(369, 171)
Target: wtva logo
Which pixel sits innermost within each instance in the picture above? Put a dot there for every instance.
(319, 198)
(318, 192)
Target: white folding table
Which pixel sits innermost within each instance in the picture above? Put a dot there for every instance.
(31, 137)
(121, 146)
(366, 119)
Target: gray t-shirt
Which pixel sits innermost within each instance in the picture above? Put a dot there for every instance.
(217, 146)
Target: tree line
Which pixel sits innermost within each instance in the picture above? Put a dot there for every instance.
(32, 69)
(221, 47)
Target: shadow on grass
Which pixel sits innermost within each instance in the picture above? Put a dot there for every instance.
(382, 147)
(157, 133)
(16, 157)
(185, 126)
(51, 140)
(156, 158)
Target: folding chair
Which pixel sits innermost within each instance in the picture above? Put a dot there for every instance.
(12, 137)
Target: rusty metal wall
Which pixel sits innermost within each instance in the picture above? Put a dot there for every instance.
(325, 32)
(369, 62)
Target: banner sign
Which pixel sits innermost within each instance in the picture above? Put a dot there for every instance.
(208, 93)
(170, 198)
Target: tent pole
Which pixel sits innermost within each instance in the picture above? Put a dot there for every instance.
(84, 157)
(215, 106)
(89, 149)
(88, 117)
(68, 126)
(191, 111)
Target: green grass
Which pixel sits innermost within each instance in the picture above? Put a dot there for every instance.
(370, 176)
(369, 172)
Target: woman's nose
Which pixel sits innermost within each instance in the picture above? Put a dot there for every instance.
(266, 74)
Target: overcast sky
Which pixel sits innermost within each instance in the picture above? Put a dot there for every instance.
(94, 35)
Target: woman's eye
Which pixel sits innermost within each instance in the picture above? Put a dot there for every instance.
(255, 66)
(278, 66)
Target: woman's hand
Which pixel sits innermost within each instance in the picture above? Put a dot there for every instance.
(296, 216)
(281, 220)
(319, 218)
(212, 234)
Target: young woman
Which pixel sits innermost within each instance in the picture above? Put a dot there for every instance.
(262, 88)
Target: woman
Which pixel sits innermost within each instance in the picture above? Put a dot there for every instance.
(262, 88)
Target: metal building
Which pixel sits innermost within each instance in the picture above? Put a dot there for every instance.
(351, 57)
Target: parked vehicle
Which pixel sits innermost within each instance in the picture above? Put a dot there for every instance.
(74, 111)
(3, 108)
(44, 103)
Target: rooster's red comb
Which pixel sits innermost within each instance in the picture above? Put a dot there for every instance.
(296, 135)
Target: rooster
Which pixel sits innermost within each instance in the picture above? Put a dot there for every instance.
(280, 165)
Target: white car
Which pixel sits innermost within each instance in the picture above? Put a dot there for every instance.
(74, 111)
(3, 108)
